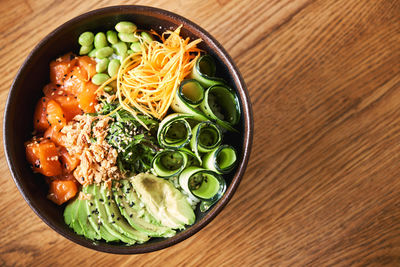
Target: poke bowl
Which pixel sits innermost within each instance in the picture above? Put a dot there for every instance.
(128, 129)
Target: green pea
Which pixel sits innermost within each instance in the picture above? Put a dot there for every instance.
(127, 37)
(100, 40)
(102, 65)
(108, 89)
(120, 48)
(92, 53)
(147, 37)
(104, 52)
(125, 27)
(85, 49)
(100, 78)
(112, 37)
(86, 39)
(113, 67)
(136, 47)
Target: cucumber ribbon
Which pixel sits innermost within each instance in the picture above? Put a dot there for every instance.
(221, 160)
(204, 71)
(218, 102)
(174, 131)
(206, 185)
(206, 136)
(168, 163)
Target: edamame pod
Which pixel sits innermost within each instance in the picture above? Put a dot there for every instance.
(203, 184)
(221, 160)
(104, 52)
(120, 48)
(86, 39)
(102, 65)
(221, 105)
(147, 37)
(85, 49)
(206, 136)
(100, 40)
(100, 78)
(108, 89)
(112, 37)
(136, 47)
(127, 37)
(125, 27)
(204, 71)
(113, 67)
(92, 53)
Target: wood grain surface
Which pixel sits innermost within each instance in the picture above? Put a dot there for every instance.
(322, 187)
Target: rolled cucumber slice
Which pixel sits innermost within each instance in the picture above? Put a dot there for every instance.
(204, 71)
(221, 160)
(206, 136)
(203, 184)
(221, 104)
(174, 131)
(188, 97)
(169, 163)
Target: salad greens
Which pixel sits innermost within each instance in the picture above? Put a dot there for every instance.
(136, 145)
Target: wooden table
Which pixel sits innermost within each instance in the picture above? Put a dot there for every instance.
(322, 186)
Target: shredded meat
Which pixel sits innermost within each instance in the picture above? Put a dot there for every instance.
(85, 136)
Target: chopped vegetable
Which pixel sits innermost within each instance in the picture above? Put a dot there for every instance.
(147, 80)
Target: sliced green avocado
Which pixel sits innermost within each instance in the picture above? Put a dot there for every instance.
(105, 220)
(94, 218)
(71, 215)
(119, 222)
(166, 203)
(83, 219)
(135, 214)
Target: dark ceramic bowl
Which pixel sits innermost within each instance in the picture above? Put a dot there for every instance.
(34, 74)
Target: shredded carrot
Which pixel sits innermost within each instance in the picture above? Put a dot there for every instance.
(147, 81)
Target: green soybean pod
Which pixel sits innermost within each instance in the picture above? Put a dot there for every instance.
(92, 53)
(112, 37)
(102, 65)
(120, 48)
(104, 52)
(108, 89)
(136, 47)
(100, 78)
(129, 52)
(125, 27)
(86, 39)
(100, 40)
(147, 37)
(85, 49)
(127, 37)
(113, 67)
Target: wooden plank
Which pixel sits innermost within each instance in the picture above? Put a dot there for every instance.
(322, 187)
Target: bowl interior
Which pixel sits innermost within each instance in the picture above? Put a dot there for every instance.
(34, 74)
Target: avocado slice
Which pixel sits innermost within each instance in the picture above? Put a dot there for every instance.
(105, 220)
(119, 222)
(71, 215)
(128, 204)
(88, 230)
(163, 201)
(94, 220)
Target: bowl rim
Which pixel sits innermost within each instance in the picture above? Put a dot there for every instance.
(237, 177)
